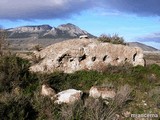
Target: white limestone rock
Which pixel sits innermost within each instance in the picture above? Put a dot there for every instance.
(68, 96)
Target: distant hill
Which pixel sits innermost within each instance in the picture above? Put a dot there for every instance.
(142, 46)
(46, 31)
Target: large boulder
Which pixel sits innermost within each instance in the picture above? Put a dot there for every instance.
(68, 96)
(47, 91)
(102, 92)
(85, 54)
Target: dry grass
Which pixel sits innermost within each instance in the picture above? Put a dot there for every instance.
(123, 95)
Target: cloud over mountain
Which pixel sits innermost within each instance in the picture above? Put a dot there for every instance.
(53, 9)
(40, 9)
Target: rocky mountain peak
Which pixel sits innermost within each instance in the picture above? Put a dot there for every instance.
(71, 29)
(68, 26)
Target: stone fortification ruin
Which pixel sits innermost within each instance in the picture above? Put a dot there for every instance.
(85, 54)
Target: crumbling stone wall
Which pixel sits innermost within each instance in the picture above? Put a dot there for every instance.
(90, 54)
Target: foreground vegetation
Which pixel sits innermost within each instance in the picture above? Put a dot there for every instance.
(20, 98)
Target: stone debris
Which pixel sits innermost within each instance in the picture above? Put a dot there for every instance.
(47, 91)
(68, 96)
(101, 92)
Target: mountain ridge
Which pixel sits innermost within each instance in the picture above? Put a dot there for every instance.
(46, 31)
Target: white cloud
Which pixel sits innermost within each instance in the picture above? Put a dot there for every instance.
(49, 9)
(40, 9)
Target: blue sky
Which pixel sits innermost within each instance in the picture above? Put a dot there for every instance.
(134, 20)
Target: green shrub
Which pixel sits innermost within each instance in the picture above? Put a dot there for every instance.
(154, 68)
(56, 80)
(82, 80)
(143, 78)
(14, 72)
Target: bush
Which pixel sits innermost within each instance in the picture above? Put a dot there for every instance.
(155, 69)
(14, 72)
(115, 39)
(45, 107)
(17, 108)
(74, 111)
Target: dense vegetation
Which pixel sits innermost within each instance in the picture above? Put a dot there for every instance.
(20, 98)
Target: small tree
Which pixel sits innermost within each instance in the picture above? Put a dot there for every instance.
(105, 38)
(114, 39)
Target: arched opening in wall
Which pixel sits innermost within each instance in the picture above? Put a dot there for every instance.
(71, 59)
(117, 59)
(134, 56)
(105, 57)
(93, 58)
(64, 57)
(82, 58)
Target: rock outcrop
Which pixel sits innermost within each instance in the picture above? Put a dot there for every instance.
(85, 54)
(68, 96)
(47, 91)
(101, 92)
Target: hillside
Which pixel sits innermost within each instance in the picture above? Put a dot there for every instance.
(142, 46)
